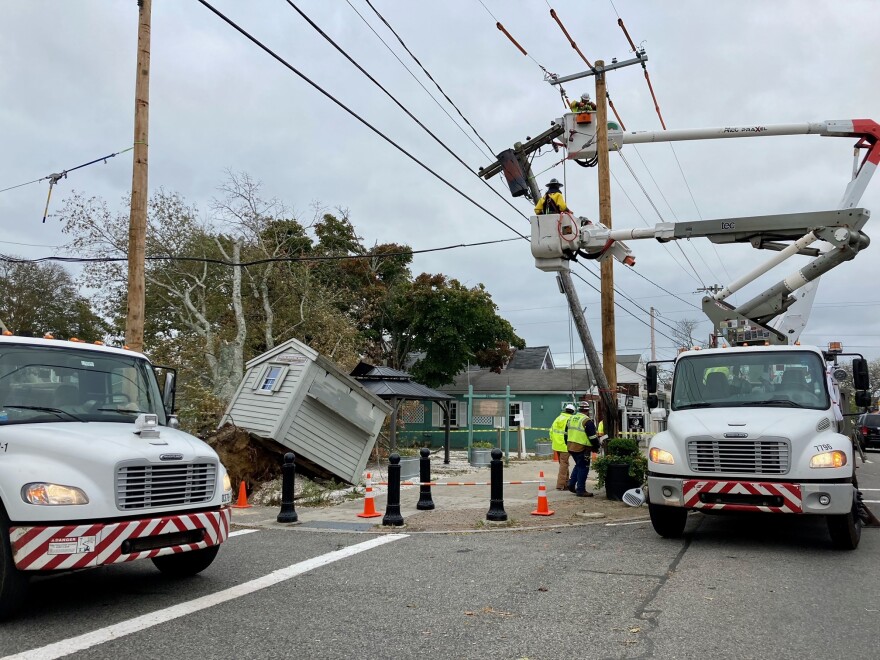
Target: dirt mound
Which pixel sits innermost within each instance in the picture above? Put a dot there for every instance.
(247, 457)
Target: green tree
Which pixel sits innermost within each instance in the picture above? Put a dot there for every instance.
(453, 326)
(43, 297)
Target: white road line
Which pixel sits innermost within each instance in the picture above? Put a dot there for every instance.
(110, 633)
(242, 531)
(636, 522)
(871, 501)
(871, 490)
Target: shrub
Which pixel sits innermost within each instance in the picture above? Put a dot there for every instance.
(621, 450)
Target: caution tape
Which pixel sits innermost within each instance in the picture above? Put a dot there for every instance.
(455, 483)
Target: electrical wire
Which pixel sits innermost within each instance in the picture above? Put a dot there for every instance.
(488, 154)
(427, 73)
(339, 103)
(255, 262)
(330, 40)
(63, 173)
(556, 18)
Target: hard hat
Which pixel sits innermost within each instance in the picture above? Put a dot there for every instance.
(569, 407)
(554, 183)
(583, 405)
(585, 97)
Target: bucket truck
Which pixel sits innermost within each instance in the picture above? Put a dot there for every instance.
(756, 425)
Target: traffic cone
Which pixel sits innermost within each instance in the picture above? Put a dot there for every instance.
(369, 504)
(242, 498)
(543, 509)
(555, 456)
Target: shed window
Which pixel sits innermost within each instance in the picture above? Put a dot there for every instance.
(271, 378)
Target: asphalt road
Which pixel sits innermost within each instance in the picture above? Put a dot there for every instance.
(733, 588)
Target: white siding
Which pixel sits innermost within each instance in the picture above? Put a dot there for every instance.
(260, 413)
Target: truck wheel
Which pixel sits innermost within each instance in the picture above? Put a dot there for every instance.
(846, 529)
(668, 521)
(185, 564)
(13, 582)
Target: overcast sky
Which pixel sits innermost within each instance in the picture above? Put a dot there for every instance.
(218, 102)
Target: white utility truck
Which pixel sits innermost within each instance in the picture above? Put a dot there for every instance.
(93, 470)
(758, 425)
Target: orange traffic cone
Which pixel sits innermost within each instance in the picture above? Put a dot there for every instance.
(555, 456)
(543, 509)
(369, 504)
(242, 498)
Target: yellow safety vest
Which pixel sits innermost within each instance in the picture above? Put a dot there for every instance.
(601, 428)
(558, 200)
(557, 432)
(576, 431)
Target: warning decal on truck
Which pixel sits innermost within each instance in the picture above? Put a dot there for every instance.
(81, 546)
(743, 496)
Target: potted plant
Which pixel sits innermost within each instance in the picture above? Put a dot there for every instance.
(481, 453)
(543, 447)
(622, 467)
(409, 463)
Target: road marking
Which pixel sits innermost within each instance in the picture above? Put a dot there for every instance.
(871, 501)
(873, 490)
(636, 522)
(110, 633)
(242, 531)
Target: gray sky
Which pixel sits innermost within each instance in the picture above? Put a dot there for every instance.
(218, 102)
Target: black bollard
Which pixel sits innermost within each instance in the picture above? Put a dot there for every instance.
(392, 509)
(288, 470)
(496, 488)
(426, 503)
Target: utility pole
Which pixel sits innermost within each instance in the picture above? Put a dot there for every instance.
(609, 343)
(653, 342)
(137, 227)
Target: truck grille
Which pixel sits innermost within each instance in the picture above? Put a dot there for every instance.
(764, 456)
(148, 486)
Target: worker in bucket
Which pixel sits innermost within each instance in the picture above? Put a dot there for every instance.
(558, 437)
(583, 104)
(582, 439)
(552, 201)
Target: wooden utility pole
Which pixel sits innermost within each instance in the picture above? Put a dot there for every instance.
(137, 228)
(609, 345)
(653, 343)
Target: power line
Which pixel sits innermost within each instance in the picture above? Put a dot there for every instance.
(382, 18)
(63, 173)
(255, 262)
(398, 103)
(339, 103)
(427, 91)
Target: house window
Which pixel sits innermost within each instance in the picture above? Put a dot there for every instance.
(453, 413)
(515, 410)
(270, 378)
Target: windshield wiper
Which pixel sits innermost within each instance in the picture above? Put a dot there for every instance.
(56, 411)
(124, 410)
(772, 402)
(688, 406)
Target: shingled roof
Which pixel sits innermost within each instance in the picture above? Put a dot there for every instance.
(535, 357)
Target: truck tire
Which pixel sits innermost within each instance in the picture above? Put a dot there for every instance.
(846, 529)
(13, 582)
(185, 564)
(668, 521)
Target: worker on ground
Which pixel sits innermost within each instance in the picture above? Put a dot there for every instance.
(582, 439)
(600, 431)
(558, 438)
(552, 201)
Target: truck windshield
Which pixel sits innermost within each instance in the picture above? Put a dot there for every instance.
(51, 384)
(791, 379)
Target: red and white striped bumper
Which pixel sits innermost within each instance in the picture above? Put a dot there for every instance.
(82, 546)
(696, 492)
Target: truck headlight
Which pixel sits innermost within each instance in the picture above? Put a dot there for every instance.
(828, 459)
(227, 489)
(53, 494)
(661, 456)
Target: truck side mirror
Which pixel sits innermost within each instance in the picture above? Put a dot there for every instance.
(861, 379)
(863, 399)
(169, 387)
(652, 378)
(653, 401)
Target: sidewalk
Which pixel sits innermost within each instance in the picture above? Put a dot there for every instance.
(459, 508)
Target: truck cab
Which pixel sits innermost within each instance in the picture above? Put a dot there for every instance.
(755, 428)
(93, 470)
